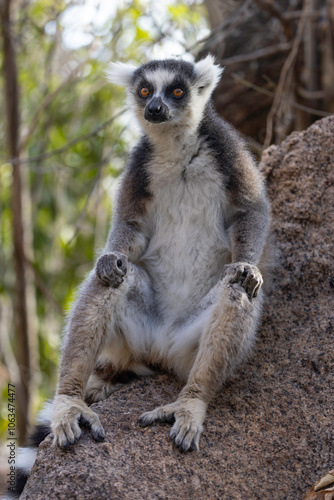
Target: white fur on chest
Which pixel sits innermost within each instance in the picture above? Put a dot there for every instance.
(185, 224)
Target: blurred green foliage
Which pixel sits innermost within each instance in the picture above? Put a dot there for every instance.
(64, 96)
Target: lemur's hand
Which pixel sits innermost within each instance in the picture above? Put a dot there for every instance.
(111, 269)
(68, 413)
(246, 275)
(187, 415)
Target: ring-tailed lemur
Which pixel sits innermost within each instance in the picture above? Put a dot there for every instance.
(178, 284)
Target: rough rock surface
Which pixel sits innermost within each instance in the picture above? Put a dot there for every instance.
(269, 434)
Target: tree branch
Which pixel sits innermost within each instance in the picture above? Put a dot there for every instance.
(58, 151)
(103, 162)
(286, 74)
(274, 10)
(257, 54)
(217, 30)
(43, 288)
(46, 103)
(261, 90)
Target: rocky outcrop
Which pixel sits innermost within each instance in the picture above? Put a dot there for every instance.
(269, 433)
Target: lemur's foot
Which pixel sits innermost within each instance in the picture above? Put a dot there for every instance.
(68, 413)
(187, 415)
(246, 275)
(98, 390)
(111, 269)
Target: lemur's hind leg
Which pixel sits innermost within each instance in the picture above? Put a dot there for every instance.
(105, 379)
(91, 325)
(225, 342)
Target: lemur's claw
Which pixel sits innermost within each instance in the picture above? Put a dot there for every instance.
(187, 415)
(246, 275)
(68, 413)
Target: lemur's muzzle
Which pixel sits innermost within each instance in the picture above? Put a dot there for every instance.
(156, 111)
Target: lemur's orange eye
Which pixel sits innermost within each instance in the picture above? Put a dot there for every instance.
(177, 92)
(144, 92)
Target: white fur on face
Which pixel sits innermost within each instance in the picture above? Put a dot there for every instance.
(159, 78)
(207, 77)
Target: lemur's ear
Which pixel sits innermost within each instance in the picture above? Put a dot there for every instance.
(208, 73)
(120, 73)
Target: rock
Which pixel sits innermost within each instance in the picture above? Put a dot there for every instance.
(269, 433)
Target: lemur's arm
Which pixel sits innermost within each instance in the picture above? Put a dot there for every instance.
(249, 223)
(127, 238)
(249, 230)
(248, 234)
(126, 235)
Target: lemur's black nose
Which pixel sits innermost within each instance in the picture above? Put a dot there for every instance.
(155, 106)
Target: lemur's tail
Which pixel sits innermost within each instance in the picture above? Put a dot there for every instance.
(26, 456)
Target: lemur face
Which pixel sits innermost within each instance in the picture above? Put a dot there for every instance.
(162, 90)
(169, 91)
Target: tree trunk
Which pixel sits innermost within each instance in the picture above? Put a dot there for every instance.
(25, 337)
